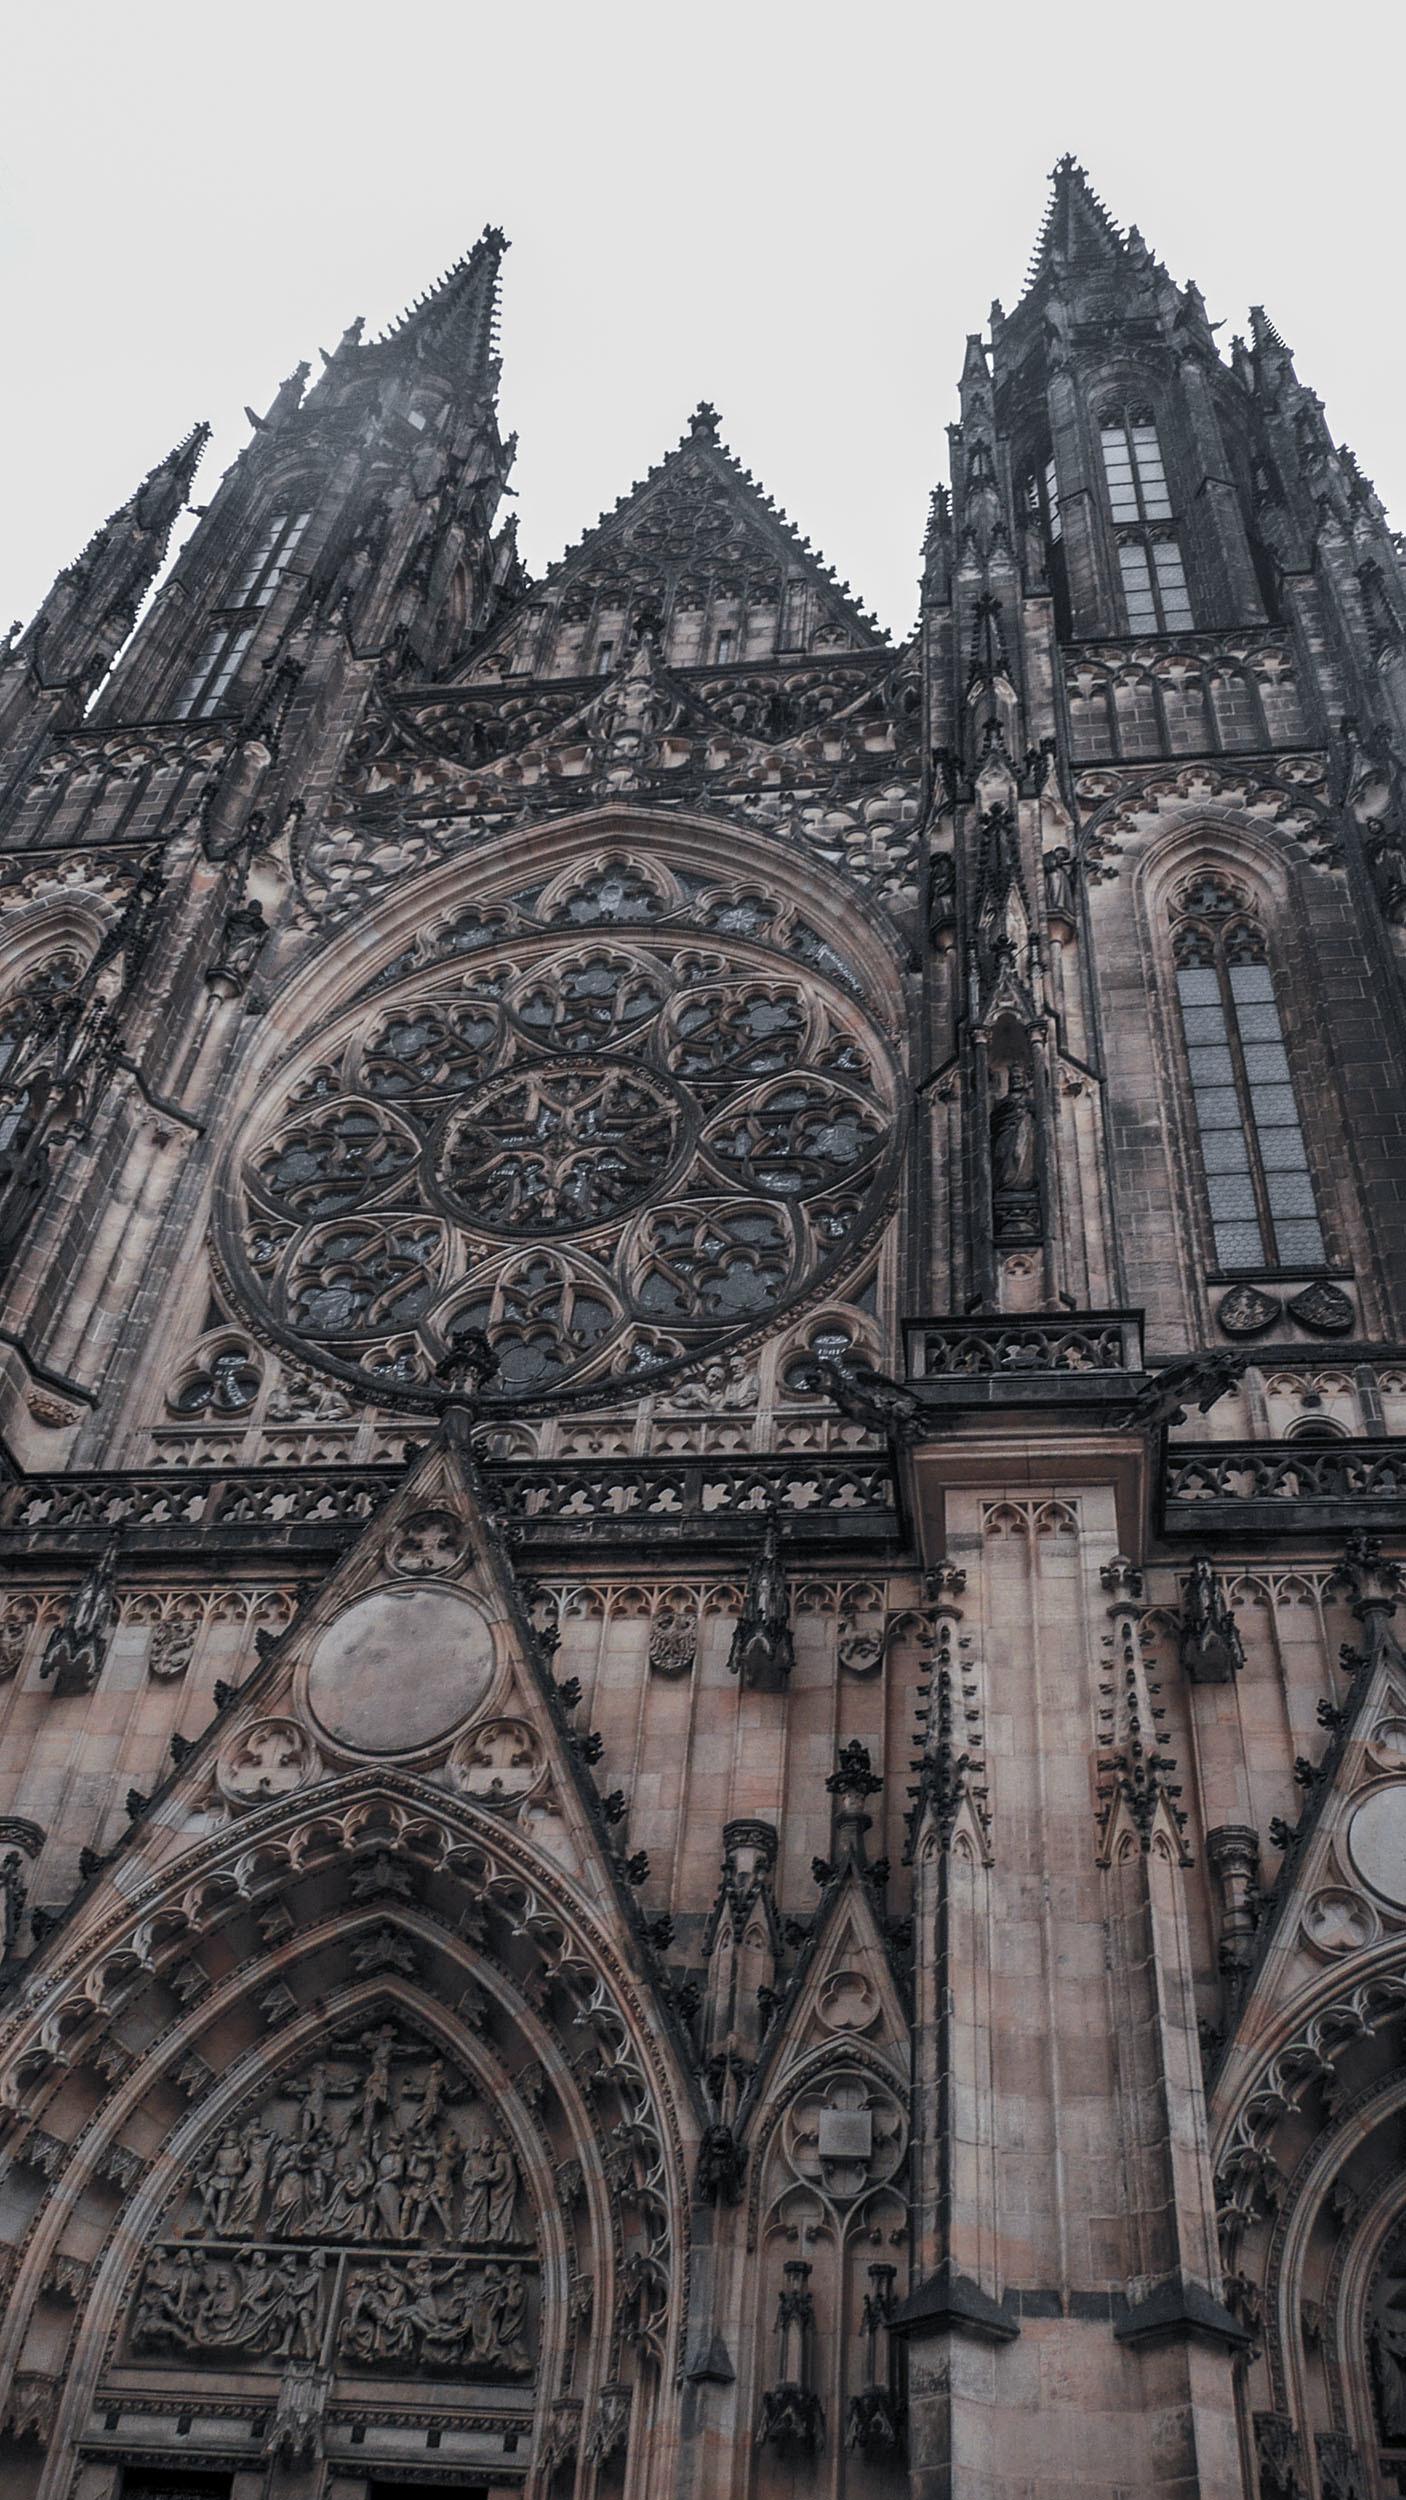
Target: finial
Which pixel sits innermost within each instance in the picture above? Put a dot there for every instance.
(704, 422)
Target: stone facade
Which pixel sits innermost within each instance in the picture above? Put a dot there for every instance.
(703, 1386)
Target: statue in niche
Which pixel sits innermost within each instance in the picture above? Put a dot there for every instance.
(1013, 1135)
(1014, 1160)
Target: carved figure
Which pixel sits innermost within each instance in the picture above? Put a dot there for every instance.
(763, 1652)
(1211, 1648)
(241, 942)
(1386, 2342)
(490, 2191)
(77, 1648)
(1013, 1137)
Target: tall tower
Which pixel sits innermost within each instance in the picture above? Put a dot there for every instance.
(704, 1416)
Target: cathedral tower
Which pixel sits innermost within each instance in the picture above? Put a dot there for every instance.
(703, 1399)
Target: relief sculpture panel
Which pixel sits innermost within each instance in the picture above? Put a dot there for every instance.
(369, 2215)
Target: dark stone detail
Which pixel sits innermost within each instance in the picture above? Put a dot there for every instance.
(950, 2303)
(1246, 1312)
(713, 2367)
(1323, 1308)
(1180, 2307)
(1282, 1489)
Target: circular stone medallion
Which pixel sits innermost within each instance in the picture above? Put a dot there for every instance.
(401, 1668)
(1377, 1840)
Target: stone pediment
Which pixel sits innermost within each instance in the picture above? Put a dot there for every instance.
(695, 539)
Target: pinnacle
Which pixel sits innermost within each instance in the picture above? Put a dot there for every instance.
(704, 423)
(459, 313)
(155, 503)
(1077, 229)
(1266, 338)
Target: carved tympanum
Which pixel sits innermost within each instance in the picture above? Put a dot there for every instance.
(371, 2193)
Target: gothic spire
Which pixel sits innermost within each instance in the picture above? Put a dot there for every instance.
(456, 324)
(122, 557)
(89, 612)
(1077, 231)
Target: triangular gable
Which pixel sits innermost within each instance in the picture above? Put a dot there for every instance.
(414, 1655)
(1340, 1900)
(699, 509)
(842, 1992)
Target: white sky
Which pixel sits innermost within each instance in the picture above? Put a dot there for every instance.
(798, 211)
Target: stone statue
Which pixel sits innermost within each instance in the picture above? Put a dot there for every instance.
(241, 941)
(763, 1652)
(1013, 1137)
(1211, 1648)
(77, 1648)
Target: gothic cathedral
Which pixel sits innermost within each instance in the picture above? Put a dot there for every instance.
(703, 1390)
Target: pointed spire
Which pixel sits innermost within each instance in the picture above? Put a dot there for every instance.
(144, 522)
(457, 321)
(1267, 341)
(1078, 231)
(90, 609)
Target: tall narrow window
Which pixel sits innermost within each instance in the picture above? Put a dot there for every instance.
(725, 642)
(235, 622)
(1155, 592)
(1258, 1185)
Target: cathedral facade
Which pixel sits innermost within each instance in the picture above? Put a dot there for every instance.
(702, 1442)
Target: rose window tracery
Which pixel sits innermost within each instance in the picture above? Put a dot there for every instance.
(608, 1152)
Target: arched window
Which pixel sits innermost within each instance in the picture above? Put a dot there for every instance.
(1149, 553)
(233, 626)
(1258, 1185)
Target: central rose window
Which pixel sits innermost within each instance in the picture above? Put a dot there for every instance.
(614, 1150)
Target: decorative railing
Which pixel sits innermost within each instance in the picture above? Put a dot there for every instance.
(1278, 1488)
(316, 1511)
(1086, 1341)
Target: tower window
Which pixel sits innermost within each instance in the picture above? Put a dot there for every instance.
(236, 621)
(725, 643)
(1042, 501)
(1155, 593)
(1154, 585)
(604, 655)
(1259, 1189)
(1132, 462)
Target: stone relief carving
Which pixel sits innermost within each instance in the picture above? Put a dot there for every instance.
(429, 1542)
(498, 1764)
(268, 1759)
(370, 2195)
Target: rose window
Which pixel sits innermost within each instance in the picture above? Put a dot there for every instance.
(613, 1157)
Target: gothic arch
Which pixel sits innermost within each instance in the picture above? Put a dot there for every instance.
(1259, 862)
(405, 1898)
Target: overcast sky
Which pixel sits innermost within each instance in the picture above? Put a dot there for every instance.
(798, 211)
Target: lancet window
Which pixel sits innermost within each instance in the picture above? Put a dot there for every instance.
(233, 627)
(1155, 593)
(1259, 1189)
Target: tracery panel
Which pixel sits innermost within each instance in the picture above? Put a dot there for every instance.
(614, 1147)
